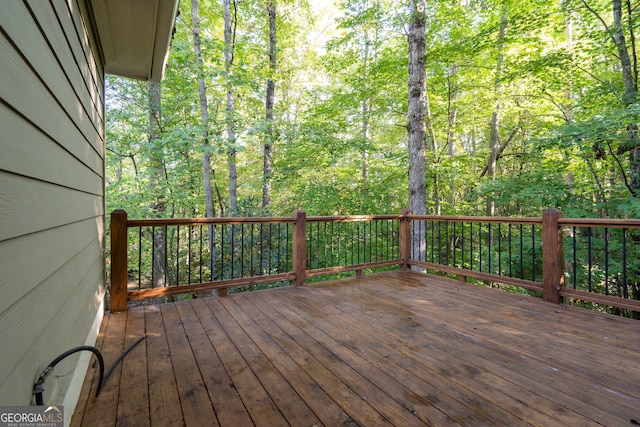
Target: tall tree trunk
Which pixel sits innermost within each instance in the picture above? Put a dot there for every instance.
(366, 136)
(366, 110)
(416, 125)
(156, 178)
(494, 135)
(568, 106)
(204, 120)
(204, 111)
(229, 46)
(452, 116)
(269, 104)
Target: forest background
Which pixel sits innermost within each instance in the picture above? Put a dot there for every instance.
(268, 107)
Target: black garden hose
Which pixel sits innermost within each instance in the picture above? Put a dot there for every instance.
(40, 386)
(118, 360)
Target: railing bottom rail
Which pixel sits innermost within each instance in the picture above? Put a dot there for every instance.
(356, 268)
(608, 300)
(208, 286)
(464, 273)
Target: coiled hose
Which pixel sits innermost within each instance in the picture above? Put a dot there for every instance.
(40, 386)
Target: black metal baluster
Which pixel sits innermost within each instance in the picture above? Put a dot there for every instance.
(471, 246)
(190, 229)
(489, 241)
(140, 259)
(153, 256)
(575, 260)
(480, 247)
(447, 252)
(589, 272)
(433, 235)
(361, 240)
(222, 245)
(353, 240)
(178, 255)
(533, 252)
(251, 246)
(624, 263)
(454, 244)
(310, 228)
(166, 256)
(500, 249)
(200, 255)
(606, 261)
(233, 249)
(261, 250)
(270, 267)
(510, 253)
(318, 243)
(211, 229)
(462, 244)
(279, 247)
(324, 246)
(521, 252)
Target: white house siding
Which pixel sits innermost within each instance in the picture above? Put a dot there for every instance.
(51, 196)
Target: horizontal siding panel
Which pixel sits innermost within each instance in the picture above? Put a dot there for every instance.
(38, 106)
(39, 326)
(27, 151)
(27, 261)
(28, 206)
(85, 91)
(24, 33)
(74, 24)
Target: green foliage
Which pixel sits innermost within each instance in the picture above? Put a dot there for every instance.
(340, 135)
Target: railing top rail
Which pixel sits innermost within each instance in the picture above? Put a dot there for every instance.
(564, 222)
(492, 219)
(159, 222)
(599, 222)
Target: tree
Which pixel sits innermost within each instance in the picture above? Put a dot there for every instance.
(416, 126)
(229, 46)
(156, 178)
(204, 111)
(494, 137)
(269, 105)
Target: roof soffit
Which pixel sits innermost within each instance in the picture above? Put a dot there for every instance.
(135, 35)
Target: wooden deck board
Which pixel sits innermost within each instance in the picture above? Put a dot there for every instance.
(164, 402)
(469, 367)
(229, 408)
(397, 348)
(133, 403)
(265, 406)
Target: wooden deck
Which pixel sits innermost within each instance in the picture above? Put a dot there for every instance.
(396, 348)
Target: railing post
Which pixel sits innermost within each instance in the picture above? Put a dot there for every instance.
(405, 238)
(552, 257)
(118, 261)
(299, 247)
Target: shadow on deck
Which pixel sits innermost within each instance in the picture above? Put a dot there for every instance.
(397, 348)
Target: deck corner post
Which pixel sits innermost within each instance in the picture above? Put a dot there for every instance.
(118, 290)
(552, 257)
(299, 247)
(405, 238)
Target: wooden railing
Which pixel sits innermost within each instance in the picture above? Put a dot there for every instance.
(219, 253)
